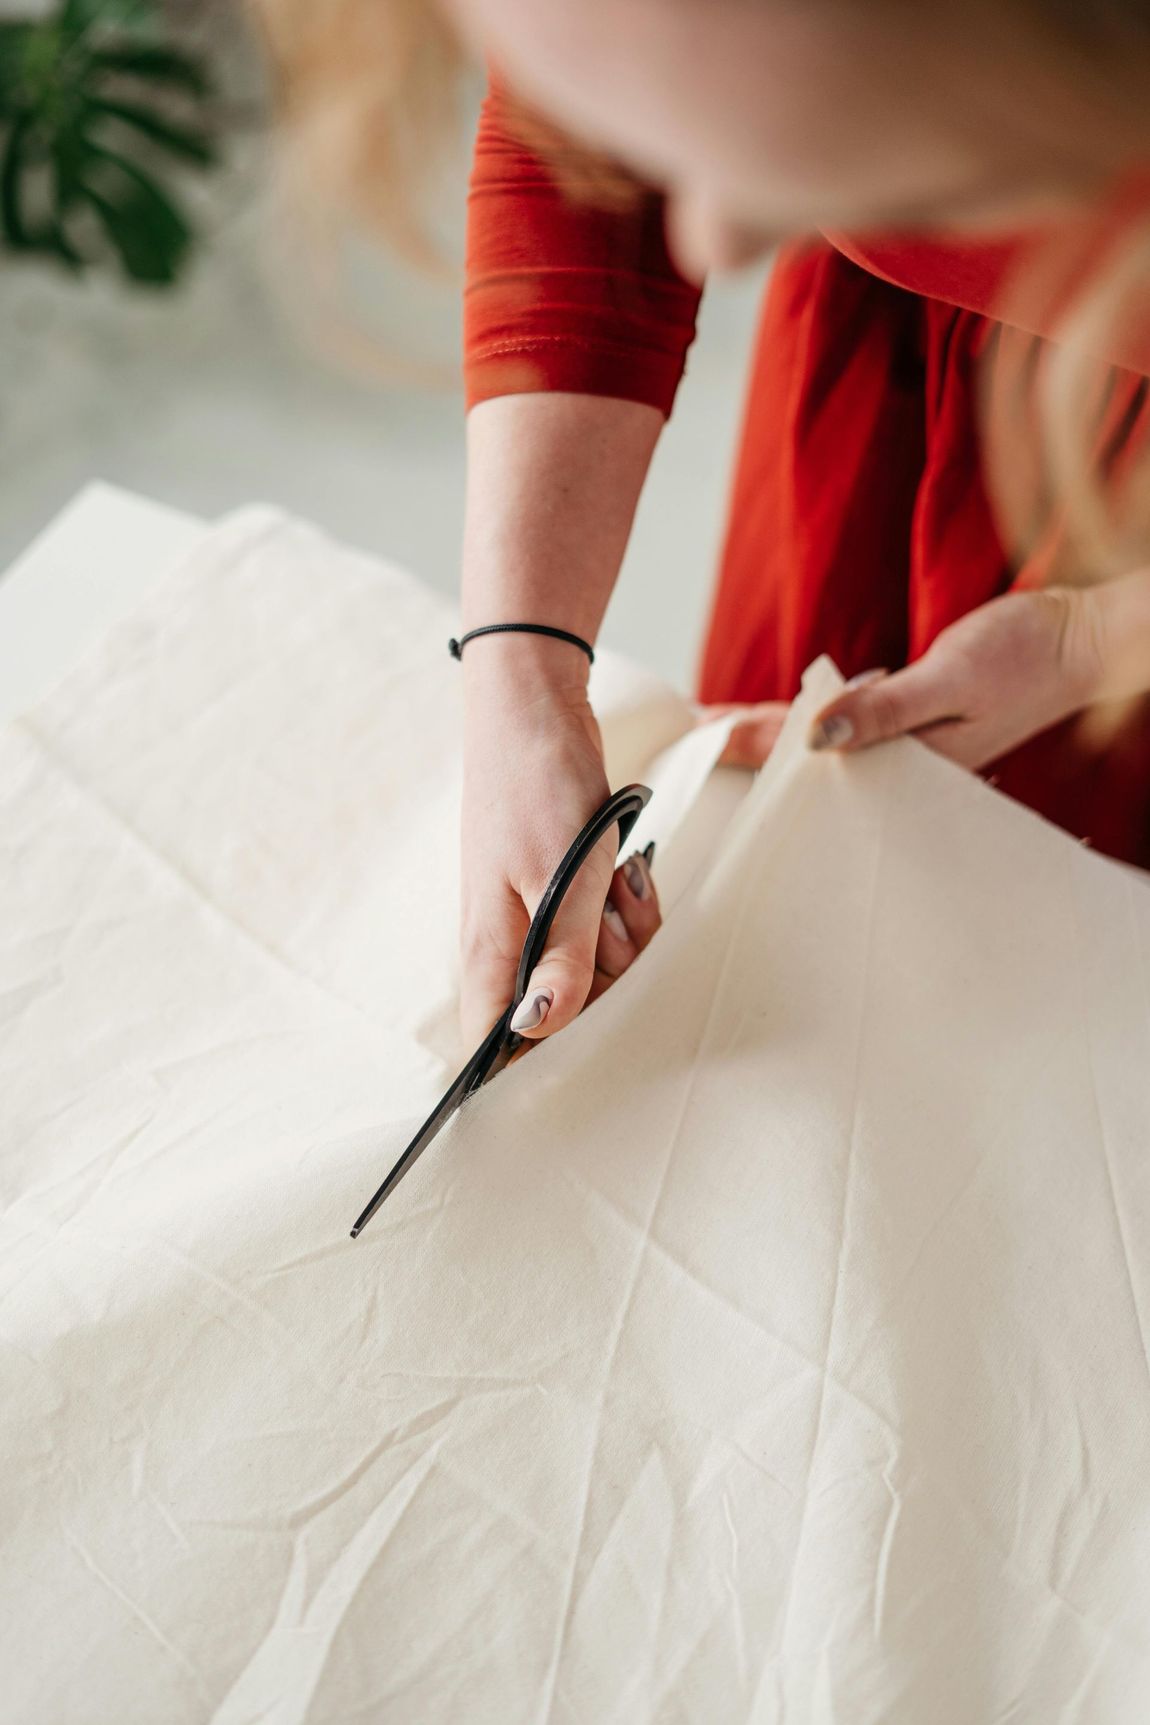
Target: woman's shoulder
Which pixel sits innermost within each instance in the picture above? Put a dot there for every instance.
(972, 273)
(1029, 278)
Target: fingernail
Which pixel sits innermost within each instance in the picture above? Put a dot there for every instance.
(832, 733)
(649, 852)
(636, 876)
(532, 1009)
(615, 922)
(864, 677)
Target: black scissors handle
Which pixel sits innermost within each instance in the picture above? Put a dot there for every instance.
(501, 1042)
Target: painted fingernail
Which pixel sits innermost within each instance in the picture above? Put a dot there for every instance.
(832, 733)
(636, 876)
(649, 852)
(532, 1009)
(615, 922)
(864, 677)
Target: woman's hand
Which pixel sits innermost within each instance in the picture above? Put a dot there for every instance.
(533, 775)
(990, 681)
(1000, 675)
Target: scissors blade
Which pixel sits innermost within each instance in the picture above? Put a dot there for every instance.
(494, 1051)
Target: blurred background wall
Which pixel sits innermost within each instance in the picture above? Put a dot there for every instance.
(212, 390)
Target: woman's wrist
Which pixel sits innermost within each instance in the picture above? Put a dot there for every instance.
(1108, 639)
(529, 665)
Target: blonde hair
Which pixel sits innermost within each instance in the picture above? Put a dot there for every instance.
(367, 98)
(1057, 458)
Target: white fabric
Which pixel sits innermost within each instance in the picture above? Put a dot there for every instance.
(770, 1346)
(101, 555)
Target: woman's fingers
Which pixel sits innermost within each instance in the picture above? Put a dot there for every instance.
(586, 951)
(634, 895)
(875, 707)
(559, 985)
(630, 918)
(616, 950)
(753, 738)
(928, 701)
(756, 733)
(493, 937)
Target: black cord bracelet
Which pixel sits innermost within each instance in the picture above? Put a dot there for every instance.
(455, 648)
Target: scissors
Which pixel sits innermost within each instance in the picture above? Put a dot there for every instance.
(501, 1042)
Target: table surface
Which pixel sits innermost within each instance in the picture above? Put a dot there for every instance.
(90, 566)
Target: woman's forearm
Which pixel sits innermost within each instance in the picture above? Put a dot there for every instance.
(552, 485)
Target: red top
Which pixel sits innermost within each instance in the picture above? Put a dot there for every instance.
(858, 524)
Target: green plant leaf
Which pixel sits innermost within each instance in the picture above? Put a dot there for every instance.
(70, 150)
(14, 40)
(12, 170)
(78, 17)
(190, 143)
(73, 148)
(154, 64)
(143, 224)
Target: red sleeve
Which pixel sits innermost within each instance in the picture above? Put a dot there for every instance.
(563, 295)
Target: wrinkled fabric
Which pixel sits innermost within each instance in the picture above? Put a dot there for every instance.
(768, 1346)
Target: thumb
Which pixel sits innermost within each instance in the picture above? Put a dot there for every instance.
(876, 706)
(558, 987)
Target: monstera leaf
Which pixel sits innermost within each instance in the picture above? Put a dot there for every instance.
(96, 109)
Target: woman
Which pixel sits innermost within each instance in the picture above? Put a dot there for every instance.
(937, 152)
